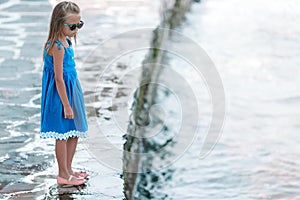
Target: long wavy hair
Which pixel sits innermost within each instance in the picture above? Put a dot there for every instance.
(59, 14)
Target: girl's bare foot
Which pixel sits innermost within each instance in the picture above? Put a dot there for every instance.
(72, 180)
(81, 174)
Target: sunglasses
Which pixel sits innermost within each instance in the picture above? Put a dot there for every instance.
(73, 26)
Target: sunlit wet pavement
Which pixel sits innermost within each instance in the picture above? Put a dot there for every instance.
(28, 167)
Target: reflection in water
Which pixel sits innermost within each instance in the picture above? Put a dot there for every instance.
(65, 192)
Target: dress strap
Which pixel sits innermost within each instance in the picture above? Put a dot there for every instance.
(69, 42)
(59, 44)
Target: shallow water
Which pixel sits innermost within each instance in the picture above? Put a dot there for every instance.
(254, 46)
(20, 154)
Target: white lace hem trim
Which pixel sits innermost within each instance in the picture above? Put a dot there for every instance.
(63, 136)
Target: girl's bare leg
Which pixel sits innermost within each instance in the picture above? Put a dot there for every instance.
(61, 156)
(71, 147)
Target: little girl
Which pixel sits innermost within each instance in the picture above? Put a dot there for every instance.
(62, 105)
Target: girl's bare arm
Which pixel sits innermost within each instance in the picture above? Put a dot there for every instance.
(58, 57)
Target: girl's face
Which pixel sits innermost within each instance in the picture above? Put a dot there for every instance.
(71, 19)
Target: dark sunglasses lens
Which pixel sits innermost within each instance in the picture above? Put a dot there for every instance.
(72, 27)
(80, 25)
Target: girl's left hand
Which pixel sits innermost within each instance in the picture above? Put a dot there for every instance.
(68, 112)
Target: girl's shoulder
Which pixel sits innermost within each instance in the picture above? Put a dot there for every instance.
(61, 44)
(58, 45)
(49, 45)
(53, 46)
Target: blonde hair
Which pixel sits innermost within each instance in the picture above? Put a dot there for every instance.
(59, 14)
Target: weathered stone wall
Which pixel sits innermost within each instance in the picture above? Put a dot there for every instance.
(134, 161)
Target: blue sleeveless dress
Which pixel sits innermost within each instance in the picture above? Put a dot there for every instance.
(53, 123)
